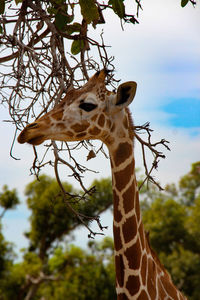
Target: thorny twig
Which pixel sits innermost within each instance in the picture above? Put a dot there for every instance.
(152, 147)
(36, 70)
(79, 216)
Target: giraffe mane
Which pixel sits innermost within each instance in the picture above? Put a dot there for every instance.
(131, 124)
(155, 256)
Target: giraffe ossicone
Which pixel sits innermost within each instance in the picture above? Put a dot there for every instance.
(93, 112)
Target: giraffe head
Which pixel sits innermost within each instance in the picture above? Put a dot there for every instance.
(91, 112)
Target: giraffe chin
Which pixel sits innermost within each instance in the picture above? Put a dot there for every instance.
(22, 138)
(36, 140)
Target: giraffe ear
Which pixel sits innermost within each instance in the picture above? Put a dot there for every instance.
(125, 93)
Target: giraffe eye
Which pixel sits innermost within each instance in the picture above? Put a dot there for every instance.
(87, 106)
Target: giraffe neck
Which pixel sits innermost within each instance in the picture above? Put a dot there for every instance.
(127, 228)
(139, 273)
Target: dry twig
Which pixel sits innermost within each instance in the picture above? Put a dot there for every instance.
(36, 70)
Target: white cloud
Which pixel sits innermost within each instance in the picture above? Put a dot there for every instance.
(167, 35)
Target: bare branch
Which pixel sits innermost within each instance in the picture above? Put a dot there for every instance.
(79, 216)
(36, 72)
(152, 147)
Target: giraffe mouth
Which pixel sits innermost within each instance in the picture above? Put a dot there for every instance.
(36, 140)
(25, 137)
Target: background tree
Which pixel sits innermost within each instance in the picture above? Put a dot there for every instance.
(172, 221)
(8, 201)
(50, 218)
(47, 259)
(53, 268)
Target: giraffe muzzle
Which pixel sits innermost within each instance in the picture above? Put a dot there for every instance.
(30, 136)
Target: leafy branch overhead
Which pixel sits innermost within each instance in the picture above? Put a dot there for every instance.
(46, 48)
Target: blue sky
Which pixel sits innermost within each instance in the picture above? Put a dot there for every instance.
(183, 113)
(162, 54)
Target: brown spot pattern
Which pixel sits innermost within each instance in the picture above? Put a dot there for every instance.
(143, 296)
(101, 93)
(80, 135)
(133, 284)
(101, 120)
(94, 118)
(117, 238)
(60, 125)
(169, 287)
(119, 265)
(94, 131)
(151, 279)
(102, 96)
(122, 297)
(57, 115)
(137, 206)
(108, 123)
(128, 197)
(122, 177)
(162, 293)
(142, 236)
(144, 269)
(133, 255)
(129, 229)
(80, 127)
(117, 213)
(123, 152)
(69, 133)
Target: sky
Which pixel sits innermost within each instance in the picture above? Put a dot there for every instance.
(162, 54)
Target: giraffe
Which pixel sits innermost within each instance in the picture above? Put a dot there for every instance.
(93, 112)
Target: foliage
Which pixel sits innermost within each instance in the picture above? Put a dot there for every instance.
(65, 271)
(85, 275)
(45, 260)
(173, 220)
(51, 219)
(8, 199)
(5, 254)
(190, 184)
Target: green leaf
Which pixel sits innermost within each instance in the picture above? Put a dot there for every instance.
(89, 10)
(2, 6)
(184, 2)
(118, 7)
(77, 46)
(75, 27)
(62, 20)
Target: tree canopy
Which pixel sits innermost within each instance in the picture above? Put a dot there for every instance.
(53, 268)
(48, 254)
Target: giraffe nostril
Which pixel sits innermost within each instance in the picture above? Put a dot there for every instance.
(32, 125)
